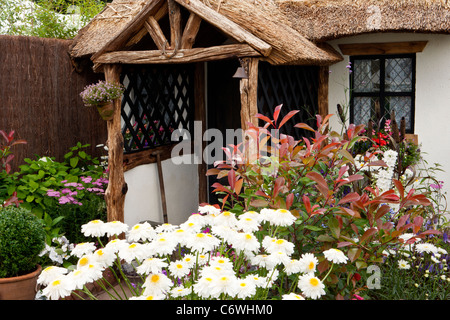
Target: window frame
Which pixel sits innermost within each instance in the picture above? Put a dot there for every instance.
(383, 93)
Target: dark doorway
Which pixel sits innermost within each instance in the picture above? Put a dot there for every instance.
(224, 105)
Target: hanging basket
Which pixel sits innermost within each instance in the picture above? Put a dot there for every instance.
(106, 110)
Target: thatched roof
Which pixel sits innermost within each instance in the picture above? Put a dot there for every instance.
(321, 20)
(296, 30)
(264, 21)
(105, 26)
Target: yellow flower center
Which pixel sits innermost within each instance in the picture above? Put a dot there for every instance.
(248, 236)
(179, 266)
(311, 265)
(243, 284)
(132, 246)
(84, 261)
(279, 241)
(314, 282)
(136, 227)
(154, 278)
(283, 211)
(56, 283)
(200, 235)
(100, 252)
(227, 213)
(149, 298)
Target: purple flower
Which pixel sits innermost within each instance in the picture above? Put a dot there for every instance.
(53, 193)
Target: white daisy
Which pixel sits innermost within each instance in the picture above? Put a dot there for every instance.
(203, 287)
(283, 218)
(403, 264)
(58, 288)
(311, 286)
(275, 245)
(164, 244)
(133, 251)
(264, 261)
(115, 245)
(105, 258)
(165, 227)
(114, 228)
(141, 232)
(246, 288)
(292, 296)
(148, 297)
(226, 218)
(247, 224)
(83, 248)
(208, 209)
(292, 267)
(178, 268)
(94, 228)
(335, 256)
(50, 273)
(246, 242)
(202, 242)
(224, 284)
(156, 284)
(308, 263)
(151, 265)
(180, 291)
(426, 247)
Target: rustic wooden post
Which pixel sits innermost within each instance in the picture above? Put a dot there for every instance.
(323, 91)
(249, 93)
(117, 188)
(249, 102)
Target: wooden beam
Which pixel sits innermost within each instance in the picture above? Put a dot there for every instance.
(190, 31)
(162, 11)
(225, 25)
(175, 24)
(356, 49)
(180, 56)
(117, 188)
(132, 28)
(322, 99)
(156, 33)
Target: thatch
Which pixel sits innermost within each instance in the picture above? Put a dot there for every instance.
(322, 20)
(105, 26)
(263, 19)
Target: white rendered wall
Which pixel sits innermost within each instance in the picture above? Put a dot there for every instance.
(432, 109)
(143, 199)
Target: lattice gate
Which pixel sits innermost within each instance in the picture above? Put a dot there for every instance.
(157, 100)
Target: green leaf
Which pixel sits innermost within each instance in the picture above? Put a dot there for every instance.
(29, 198)
(313, 228)
(333, 224)
(74, 161)
(325, 238)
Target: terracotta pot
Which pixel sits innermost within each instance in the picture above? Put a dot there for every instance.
(106, 110)
(20, 288)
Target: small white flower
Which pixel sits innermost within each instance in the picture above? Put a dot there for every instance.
(180, 291)
(403, 264)
(83, 248)
(335, 256)
(246, 288)
(58, 288)
(308, 263)
(50, 273)
(141, 231)
(157, 284)
(115, 228)
(311, 286)
(133, 251)
(426, 247)
(178, 268)
(151, 265)
(94, 228)
(292, 296)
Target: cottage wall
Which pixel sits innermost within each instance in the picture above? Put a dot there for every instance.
(432, 113)
(143, 199)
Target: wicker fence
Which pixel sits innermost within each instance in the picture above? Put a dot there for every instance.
(39, 99)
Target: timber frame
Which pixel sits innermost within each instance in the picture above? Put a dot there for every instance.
(177, 48)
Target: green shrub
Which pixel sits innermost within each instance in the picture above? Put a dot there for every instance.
(22, 239)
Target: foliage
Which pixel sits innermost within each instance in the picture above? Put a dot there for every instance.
(336, 204)
(72, 189)
(101, 92)
(47, 18)
(23, 238)
(300, 216)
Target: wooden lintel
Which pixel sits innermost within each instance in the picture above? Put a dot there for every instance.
(133, 160)
(190, 31)
(180, 56)
(156, 33)
(356, 49)
(226, 25)
(175, 24)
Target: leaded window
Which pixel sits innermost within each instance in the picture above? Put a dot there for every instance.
(386, 79)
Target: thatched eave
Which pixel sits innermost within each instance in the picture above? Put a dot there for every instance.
(323, 20)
